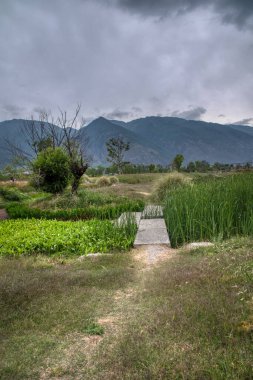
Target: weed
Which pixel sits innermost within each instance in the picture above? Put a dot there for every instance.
(94, 328)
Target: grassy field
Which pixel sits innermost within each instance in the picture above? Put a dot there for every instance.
(189, 317)
(50, 310)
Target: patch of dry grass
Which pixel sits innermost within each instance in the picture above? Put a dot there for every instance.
(193, 319)
(47, 307)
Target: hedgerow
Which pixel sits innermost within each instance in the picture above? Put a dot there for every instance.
(22, 211)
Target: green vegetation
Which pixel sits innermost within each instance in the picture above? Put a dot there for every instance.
(28, 237)
(169, 183)
(139, 178)
(94, 329)
(84, 198)
(49, 309)
(51, 170)
(116, 148)
(11, 194)
(21, 211)
(178, 162)
(209, 210)
(106, 316)
(193, 319)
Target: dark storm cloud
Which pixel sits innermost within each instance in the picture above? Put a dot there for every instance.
(248, 121)
(115, 62)
(238, 12)
(191, 114)
(120, 114)
(12, 110)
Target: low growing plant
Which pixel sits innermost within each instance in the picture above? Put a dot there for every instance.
(29, 237)
(21, 211)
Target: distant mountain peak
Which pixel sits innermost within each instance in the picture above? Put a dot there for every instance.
(153, 139)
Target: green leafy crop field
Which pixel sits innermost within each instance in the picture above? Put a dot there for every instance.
(18, 237)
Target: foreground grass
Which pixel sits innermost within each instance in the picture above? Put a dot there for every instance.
(49, 310)
(28, 237)
(194, 320)
(191, 317)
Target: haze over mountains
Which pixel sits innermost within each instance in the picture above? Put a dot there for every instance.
(152, 140)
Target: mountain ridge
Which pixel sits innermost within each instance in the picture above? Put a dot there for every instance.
(153, 139)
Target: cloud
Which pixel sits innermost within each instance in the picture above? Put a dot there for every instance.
(191, 114)
(239, 12)
(59, 53)
(248, 121)
(39, 110)
(12, 110)
(123, 115)
(118, 114)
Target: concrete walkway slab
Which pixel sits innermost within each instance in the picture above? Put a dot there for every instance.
(152, 211)
(152, 231)
(126, 215)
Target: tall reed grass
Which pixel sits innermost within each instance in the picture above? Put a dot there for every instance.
(213, 210)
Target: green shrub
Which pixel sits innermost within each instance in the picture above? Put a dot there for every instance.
(94, 329)
(11, 194)
(51, 170)
(169, 183)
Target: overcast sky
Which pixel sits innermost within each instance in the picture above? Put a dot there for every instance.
(126, 59)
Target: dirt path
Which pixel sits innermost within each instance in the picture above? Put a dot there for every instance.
(124, 305)
(3, 214)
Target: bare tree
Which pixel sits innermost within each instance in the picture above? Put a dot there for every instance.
(70, 141)
(49, 132)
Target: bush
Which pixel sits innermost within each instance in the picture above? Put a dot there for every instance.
(114, 180)
(11, 195)
(103, 181)
(83, 199)
(169, 183)
(51, 169)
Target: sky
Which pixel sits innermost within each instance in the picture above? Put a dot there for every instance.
(125, 59)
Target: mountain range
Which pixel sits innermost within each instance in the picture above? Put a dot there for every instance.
(152, 140)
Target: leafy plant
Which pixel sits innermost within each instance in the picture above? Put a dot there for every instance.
(94, 329)
(28, 237)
